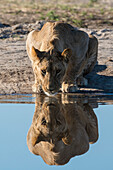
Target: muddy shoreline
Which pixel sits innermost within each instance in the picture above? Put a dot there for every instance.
(18, 19)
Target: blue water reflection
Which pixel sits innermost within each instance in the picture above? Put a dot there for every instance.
(14, 154)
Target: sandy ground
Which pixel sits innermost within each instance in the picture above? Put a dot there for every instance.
(16, 75)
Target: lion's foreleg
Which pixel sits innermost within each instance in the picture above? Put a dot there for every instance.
(74, 71)
(92, 54)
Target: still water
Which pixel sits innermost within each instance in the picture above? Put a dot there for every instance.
(73, 132)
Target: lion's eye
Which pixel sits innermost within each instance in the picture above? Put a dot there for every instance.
(58, 71)
(43, 72)
(43, 121)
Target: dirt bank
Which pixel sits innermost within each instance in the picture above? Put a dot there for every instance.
(16, 75)
(18, 18)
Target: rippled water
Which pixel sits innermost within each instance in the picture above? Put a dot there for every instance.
(59, 128)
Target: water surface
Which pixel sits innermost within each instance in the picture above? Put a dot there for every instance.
(16, 118)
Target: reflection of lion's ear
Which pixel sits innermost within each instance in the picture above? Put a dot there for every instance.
(67, 139)
(36, 138)
(33, 138)
(36, 55)
(67, 53)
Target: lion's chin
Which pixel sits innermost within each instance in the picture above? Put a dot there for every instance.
(50, 94)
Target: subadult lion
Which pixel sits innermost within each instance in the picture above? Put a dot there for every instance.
(61, 56)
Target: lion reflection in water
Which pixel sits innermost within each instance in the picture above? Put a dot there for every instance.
(61, 130)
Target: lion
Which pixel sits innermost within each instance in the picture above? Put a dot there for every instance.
(61, 56)
(61, 130)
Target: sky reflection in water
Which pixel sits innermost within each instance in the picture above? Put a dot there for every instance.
(16, 120)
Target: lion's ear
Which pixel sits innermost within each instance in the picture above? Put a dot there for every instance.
(67, 139)
(67, 53)
(36, 55)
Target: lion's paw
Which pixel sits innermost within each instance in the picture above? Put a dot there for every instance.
(69, 88)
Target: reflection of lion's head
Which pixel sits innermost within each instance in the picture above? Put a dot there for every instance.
(61, 131)
(49, 68)
(48, 122)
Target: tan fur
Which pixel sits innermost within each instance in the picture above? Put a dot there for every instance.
(61, 56)
(61, 130)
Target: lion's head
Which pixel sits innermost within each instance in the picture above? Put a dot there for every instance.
(50, 68)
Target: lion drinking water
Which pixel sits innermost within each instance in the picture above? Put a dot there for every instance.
(61, 56)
